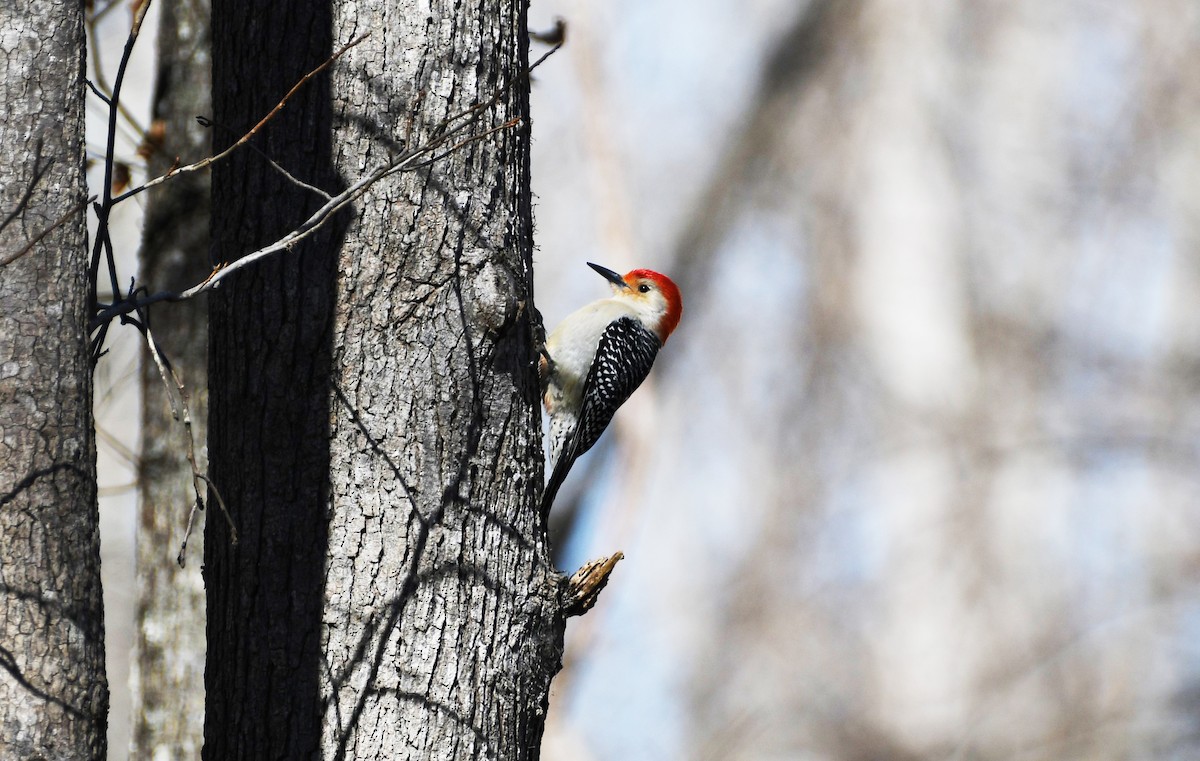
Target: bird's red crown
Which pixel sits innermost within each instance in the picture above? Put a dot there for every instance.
(670, 292)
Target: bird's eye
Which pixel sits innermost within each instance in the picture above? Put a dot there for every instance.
(643, 288)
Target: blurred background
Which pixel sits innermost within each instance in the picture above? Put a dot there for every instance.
(916, 478)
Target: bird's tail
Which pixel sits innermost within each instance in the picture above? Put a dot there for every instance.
(557, 476)
(561, 434)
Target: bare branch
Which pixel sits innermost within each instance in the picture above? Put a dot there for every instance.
(291, 177)
(97, 92)
(408, 162)
(101, 87)
(515, 121)
(274, 164)
(444, 141)
(199, 505)
(210, 160)
(177, 396)
(102, 247)
(548, 53)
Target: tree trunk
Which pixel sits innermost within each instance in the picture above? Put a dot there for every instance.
(374, 422)
(269, 354)
(442, 623)
(169, 677)
(53, 695)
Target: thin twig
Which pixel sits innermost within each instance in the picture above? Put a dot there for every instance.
(96, 91)
(443, 134)
(286, 174)
(101, 87)
(291, 177)
(181, 558)
(139, 15)
(177, 397)
(103, 246)
(318, 218)
(545, 55)
(206, 162)
(199, 505)
(513, 122)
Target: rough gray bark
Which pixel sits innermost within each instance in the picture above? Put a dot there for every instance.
(374, 421)
(441, 612)
(170, 646)
(53, 694)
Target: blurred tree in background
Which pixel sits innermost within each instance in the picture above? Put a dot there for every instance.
(918, 479)
(169, 648)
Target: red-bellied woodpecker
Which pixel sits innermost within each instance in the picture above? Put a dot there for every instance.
(597, 357)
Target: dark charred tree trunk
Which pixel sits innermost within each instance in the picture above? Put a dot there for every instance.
(53, 694)
(374, 411)
(169, 650)
(269, 389)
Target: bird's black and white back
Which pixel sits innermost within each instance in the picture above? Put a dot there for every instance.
(623, 359)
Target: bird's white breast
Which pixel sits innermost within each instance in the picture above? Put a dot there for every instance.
(572, 346)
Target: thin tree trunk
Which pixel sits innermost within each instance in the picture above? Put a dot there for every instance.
(170, 646)
(374, 422)
(53, 694)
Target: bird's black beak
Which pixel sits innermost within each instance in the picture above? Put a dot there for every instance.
(609, 275)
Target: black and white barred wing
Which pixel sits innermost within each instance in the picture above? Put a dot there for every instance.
(623, 360)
